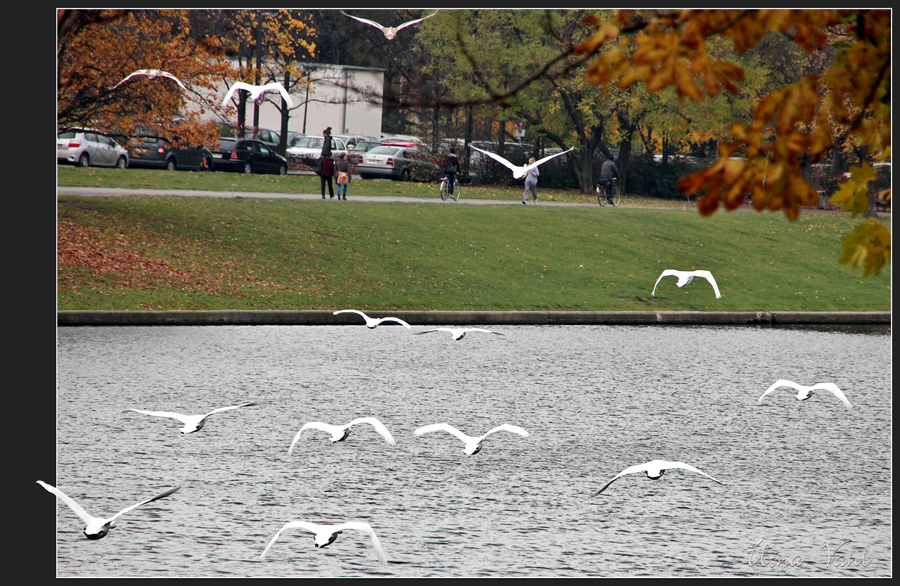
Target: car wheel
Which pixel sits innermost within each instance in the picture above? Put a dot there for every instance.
(248, 168)
(170, 164)
(122, 163)
(282, 170)
(208, 163)
(404, 175)
(84, 160)
(363, 176)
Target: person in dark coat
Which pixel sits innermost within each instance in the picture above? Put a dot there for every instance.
(451, 166)
(608, 172)
(327, 164)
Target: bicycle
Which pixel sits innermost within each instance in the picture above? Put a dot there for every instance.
(609, 195)
(444, 189)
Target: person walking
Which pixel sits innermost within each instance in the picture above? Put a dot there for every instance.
(451, 166)
(531, 183)
(343, 179)
(608, 171)
(327, 164)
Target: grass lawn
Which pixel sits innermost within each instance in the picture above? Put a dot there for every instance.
(165, 252)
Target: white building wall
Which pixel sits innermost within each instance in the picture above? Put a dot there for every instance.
(333, 100)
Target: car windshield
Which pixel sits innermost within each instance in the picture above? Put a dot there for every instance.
(310, 142)
(384, 150)
(69, 134)
(225, 144)
(365, 146)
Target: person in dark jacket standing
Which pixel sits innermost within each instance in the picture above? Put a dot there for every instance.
(327, 164)
(451, 166)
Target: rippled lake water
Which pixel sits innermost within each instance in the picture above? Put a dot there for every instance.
(807, 485)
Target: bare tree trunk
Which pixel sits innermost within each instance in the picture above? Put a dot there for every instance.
(624, 160)
(285, 117)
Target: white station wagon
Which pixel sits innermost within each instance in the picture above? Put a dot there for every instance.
(306, 149)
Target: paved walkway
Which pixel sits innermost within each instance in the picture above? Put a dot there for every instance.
(112, 192)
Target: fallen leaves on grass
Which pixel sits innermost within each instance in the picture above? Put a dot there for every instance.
(107, 254)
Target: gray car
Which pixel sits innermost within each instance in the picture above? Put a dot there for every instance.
(86, 147)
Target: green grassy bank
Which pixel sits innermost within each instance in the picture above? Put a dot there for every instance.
(150, 252)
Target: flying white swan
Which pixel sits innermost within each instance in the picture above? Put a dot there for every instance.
(326, 534)
(340, 432)
(458, 333)
(152, 74)
(257, 92)
(473, 444)
(518, 172)
(372, 322)
(95, 527)
(192, 423)
(804, 392)
(389, 31)
(685, 277)
(654, 469)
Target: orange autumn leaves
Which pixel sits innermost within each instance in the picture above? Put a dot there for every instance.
(791, 127)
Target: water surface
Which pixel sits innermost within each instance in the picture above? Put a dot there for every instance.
(807, 485)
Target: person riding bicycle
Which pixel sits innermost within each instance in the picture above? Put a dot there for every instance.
(608, 171)
(451, 166)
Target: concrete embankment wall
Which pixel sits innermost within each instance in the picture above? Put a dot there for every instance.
(462, 318)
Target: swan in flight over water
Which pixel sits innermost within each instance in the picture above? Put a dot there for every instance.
(95, 527)
(472, 444)
(804, 392)
(191, 423)
(458, 333)
(685, 277)
(326, 534)
(152, 74)
(389, 31)
(340, 432)
(518, 172)
(257, 92)
(655, 469)
(372, 322)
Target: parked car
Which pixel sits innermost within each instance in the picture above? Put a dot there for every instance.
(401, 137)
(247, 155)
(398, 162)
(307, 149)
(86, 147)
(351, 140)
(356, 152)
(158, 153)
(268, 137)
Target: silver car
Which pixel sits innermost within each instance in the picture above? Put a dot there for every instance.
(308, 148)
(397, 162)
(86, 148)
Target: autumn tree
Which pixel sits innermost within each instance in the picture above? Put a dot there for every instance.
(791, 126)
(265, 46)
(98, 49)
